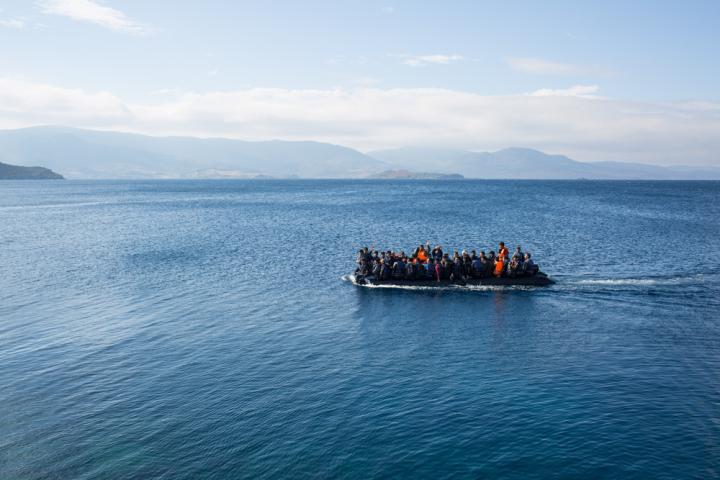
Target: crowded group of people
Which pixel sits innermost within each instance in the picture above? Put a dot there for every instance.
(427, 263)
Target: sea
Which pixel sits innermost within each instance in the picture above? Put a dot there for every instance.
(206, 330)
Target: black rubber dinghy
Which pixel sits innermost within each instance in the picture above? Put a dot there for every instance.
(538, 280)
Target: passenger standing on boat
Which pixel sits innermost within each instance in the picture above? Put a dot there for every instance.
(437, 253)
(503, 251)
(360, 256)
(421, 254)
(518, 255)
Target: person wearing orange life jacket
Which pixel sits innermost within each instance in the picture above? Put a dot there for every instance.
(421, 254)
(499, 266)
(503, 251)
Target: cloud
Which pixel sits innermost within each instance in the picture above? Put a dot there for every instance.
(570, 121)
(424, 60)
(26, 103)
(93, 12)
(575, 91)
(538, 66)
(389, 10)
(12, 23)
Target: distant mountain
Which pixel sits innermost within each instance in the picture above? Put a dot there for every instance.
(408, 175)
(525, 163)
(79, 153)
(14, 172)
(82, 153)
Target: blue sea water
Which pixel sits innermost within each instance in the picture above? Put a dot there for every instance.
(202, 329)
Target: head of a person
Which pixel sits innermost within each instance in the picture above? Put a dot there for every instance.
(502, 244)
(527, 256)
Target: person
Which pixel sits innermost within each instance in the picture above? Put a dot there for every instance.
(518, 255)
(410, 270)
(466, 264)
(439, 270)
(376, 268)
(529, 267)
(477, 268)
(490, 264)
(364, 269)
(430, 268)
(457, 270)
(514, 268)
(437, 253)
(499, 266)
(421, 254)
(384, 270)
(503, 251)
(399, 268)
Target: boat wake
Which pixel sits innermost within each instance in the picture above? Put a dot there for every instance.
(444, 287)
(562, 284)
(647, 281)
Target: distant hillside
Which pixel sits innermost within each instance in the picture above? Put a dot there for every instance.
(14, 172)
(408, 175)
(525, 163)
(82, 153)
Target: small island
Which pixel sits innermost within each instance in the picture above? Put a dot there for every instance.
(15, 172)
(408, 175)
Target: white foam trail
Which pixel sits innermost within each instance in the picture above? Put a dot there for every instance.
(475, 288)
(684, 280)
(620, 281)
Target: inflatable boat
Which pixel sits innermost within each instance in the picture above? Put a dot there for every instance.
(539, 279)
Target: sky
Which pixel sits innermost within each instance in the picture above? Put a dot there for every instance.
(607, 80)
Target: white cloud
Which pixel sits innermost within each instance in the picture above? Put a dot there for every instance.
(12, 23)
(573, 121)
(389, 10)
(92, 12)
(574, 91)
(538, 66)
(366, 81)
(27, 103)
(424, 60)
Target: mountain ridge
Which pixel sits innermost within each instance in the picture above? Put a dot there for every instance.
(82, 153)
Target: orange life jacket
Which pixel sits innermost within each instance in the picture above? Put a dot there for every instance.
(503, 253)
(422, 256)
(499, 267)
